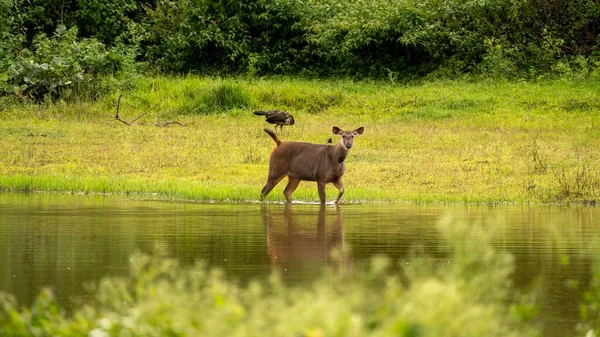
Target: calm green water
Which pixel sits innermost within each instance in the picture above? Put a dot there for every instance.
(65, 242)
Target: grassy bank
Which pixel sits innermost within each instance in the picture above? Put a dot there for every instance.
(432, 142)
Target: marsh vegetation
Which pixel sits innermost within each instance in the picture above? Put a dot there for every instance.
(445, 141)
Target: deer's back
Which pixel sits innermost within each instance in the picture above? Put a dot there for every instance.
(305, 161)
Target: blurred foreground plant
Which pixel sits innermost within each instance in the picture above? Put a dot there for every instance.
(590, 309)
(466, 295)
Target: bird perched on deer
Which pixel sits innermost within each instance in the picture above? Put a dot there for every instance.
(310, 162)
(277, 117)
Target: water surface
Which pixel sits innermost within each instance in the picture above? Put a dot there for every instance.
(67, 241)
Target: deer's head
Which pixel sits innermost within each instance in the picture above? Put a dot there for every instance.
(347, 136)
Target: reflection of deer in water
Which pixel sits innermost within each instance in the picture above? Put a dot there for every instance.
(293, 240)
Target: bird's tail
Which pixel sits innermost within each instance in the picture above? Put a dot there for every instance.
(273, 135)
(260, 113)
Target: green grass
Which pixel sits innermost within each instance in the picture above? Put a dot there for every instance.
(222, 97)
(430, 142)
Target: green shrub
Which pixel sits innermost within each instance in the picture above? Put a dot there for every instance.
(499, 60)
(104, 20)
(9, 42)
(392, 39)
(197, 35)
(54, 67)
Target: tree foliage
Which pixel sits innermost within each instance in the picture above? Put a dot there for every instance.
(374, 38)
(53, 67)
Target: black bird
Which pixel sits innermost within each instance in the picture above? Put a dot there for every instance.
(277, 117)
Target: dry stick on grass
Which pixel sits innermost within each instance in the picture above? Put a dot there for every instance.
(165, 124)
(152, 107)
(116, 116)
(118, 105)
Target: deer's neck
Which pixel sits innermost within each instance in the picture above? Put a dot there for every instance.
(339, 153)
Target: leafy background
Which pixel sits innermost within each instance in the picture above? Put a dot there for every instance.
(389, 39)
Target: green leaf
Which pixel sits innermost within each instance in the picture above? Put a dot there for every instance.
(57, 61)
(61, 29)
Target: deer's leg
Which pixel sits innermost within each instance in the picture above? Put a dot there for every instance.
(321, 187)
(340, 187)
(271, 182)
(290, 188)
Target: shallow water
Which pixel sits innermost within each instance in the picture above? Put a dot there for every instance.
(65, 242)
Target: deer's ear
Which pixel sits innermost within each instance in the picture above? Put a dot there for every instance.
(336, 131)
(359, 131)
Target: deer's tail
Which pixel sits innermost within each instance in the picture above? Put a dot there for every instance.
(273, 135)
(260, 113)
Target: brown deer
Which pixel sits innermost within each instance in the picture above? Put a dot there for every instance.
(311, 162)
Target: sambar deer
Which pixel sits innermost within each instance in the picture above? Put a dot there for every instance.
(310, 162)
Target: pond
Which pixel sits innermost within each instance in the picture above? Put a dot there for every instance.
(65, 242)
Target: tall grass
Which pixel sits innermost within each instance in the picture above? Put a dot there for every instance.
(467, 295)
(223, 97)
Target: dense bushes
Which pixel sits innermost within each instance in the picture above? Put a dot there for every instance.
(375, 38)
(225, 36)
(380, 38)
(511, 38)
(103, 20)
(54, 67)
(39, 63)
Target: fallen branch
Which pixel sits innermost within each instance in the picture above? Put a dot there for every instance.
(116, 116)
(165, 124)
(152, 107)
(118, 106)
